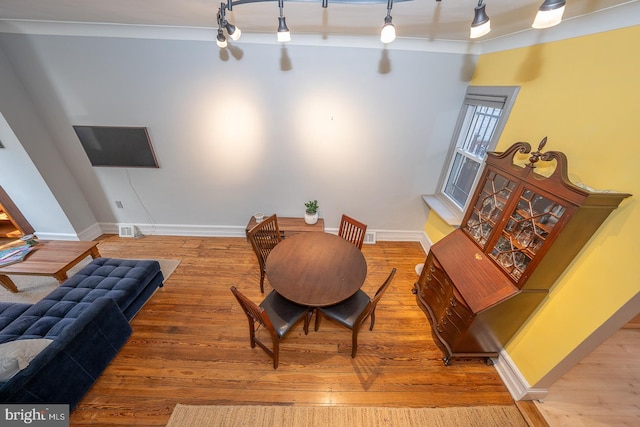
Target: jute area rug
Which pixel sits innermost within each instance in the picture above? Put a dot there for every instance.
(33, 288)
(310, 416)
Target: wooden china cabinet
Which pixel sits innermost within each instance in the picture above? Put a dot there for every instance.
(523, 227)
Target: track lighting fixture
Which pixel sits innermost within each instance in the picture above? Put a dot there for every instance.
(549, 14)
(388, 33)
(233, 31)
(481, 24)
(283, 32)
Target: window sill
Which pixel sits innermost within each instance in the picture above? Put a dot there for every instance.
(450, 214)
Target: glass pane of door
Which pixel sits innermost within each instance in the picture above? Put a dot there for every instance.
(488, 207)
(527, 229)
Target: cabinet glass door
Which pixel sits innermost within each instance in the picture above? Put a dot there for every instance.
(488, 207)
(527, 229)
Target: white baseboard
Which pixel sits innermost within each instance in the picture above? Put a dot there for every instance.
(515, 381)
(88, 234)
(179, 230)
(239, 231)
(58, 236)
(217, 231)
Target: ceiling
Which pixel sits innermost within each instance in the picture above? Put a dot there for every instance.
(420, 19)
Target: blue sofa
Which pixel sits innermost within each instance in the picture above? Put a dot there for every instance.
(81, 326)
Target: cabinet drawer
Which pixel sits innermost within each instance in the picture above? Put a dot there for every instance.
(444, 329)
(437, 296)
(435, 287)
(459, 308)
(447, 327)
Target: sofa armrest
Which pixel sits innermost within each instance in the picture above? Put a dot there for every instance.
(68, 367)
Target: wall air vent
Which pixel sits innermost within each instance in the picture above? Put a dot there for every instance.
(129, 231)
(370, 237)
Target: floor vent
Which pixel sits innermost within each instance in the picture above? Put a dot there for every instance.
(129, 231)
(370, 237)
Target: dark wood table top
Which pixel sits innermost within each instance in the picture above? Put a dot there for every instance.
(316, 269)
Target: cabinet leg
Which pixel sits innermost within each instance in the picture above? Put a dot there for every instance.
(489, 361)
(446, 360)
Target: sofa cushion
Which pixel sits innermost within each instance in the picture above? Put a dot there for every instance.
(9, 311)
(119, 279)
(16, 355)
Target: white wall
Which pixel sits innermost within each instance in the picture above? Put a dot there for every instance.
(238, 135)
(32, 187)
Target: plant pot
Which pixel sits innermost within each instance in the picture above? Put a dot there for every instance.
(311, 218)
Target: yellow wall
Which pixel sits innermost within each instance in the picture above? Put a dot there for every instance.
(436, 228)
(583, 93)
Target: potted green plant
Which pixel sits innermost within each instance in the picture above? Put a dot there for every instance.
(311, 212)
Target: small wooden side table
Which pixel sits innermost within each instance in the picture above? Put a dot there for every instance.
(291, 226)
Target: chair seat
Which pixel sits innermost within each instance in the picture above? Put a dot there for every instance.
(283, 313)
(346, 313)
(354, 311)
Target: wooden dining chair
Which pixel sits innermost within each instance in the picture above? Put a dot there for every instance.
(264, 237)
(352, 230)
(354, 311)
(275, 314)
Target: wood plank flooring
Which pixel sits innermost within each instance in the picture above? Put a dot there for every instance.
(602, 389)
(190, 344)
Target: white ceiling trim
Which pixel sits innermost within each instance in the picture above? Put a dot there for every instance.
(621, 16)
(159, 32)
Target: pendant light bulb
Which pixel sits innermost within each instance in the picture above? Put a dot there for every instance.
(283, 32)
(221, 41)
(233, 31)
(549, 14)
(388, 33)
(481, 24)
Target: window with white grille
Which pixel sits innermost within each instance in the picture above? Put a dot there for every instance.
(476, 137)
(480, 123)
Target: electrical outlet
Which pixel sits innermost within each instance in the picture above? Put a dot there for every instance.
(119, 204)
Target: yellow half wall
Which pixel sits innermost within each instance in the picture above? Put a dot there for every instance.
(583, 94)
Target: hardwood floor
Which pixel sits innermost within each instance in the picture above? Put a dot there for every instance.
(601, 390)
(190, 344)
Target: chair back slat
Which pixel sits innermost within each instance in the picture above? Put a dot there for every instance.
(373, 302)
(352, 230)
(252, 310)
(264, 237)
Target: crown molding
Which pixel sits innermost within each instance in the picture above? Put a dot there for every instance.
(154, 32)
(621, 16)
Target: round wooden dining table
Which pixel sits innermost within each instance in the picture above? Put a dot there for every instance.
(316, 269)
